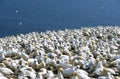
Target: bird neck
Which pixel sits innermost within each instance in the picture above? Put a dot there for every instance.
(74, 77)
(60, 75)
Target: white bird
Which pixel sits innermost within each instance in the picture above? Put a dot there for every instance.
(1, 49)
(39, 76)
(12, 64)
(32, 61)
(81, 62)
(115, 61)
(80, 71)
(3, 77)
(60, 75)
(113, 56)
(64, 58)
(35, 65)
(57, 51)
(68, 72)
(25, 56)
(118, 66)
(22, 77)
(98, 70)
(75, 75)
(63, 65)
(49, 61)
(6, 71)
(51, 55)
(42, 64)
(27, 71)
(108, 76)
(111, 71)
(50, 73)
(91, 62)
(83, 76)
(43, 71)
(20, 23)
(22, 62)
(2, 57)
(117, 77)
(16, 11)
(102, 7)
(50, 48)
(14, 50)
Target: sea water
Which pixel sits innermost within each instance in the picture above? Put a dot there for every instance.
(24, 16)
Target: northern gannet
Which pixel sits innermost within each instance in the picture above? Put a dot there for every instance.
(60, 75)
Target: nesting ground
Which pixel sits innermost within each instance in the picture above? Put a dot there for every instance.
(84, 53)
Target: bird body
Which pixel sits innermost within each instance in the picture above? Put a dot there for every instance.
(64, 65)
(39, 76)
(99, 69)
(27, 71)
(83, 76)
(3, 77)
(25, 56)
(6, 71)
(108, 76)
(68, 72)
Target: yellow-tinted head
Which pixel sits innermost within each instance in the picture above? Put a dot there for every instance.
(105, 69)
(113, 63)
(8, 59)
(69, 54)
(117, 77)
(60, 70)
(46, 56)
(75, 74)
(2, 65)
(80, 57)
(30, 69)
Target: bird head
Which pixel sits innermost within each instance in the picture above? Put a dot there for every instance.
(117, 77)
(8, 59)
(42, 64)
(2, 65)
(29, 69)
(81, 57)
(105, 69)
(46, 57)
(75, 74)
(113, 63)
(60, 70)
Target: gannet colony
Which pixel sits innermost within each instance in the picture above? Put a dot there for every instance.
(86, 53)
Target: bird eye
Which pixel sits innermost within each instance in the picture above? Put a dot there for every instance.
(58, 62)
(41, 70)
(19, 71)
(40, 54)
(59, 54)
(28, 77)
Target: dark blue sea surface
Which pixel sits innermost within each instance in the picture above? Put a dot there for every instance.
(24, 16)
